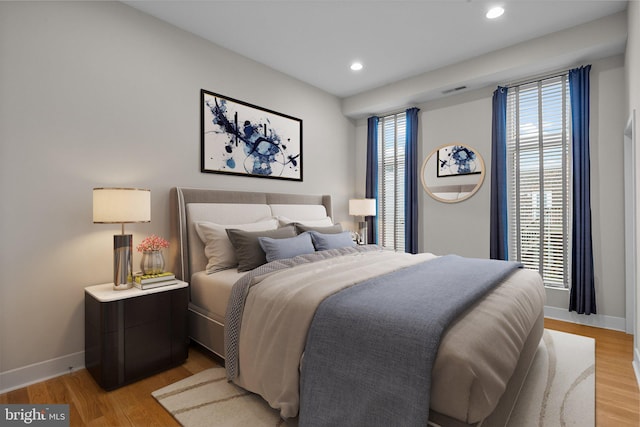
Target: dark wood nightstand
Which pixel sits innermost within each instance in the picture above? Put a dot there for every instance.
(134, 333)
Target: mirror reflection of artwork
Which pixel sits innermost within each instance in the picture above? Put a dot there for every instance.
(457, 160)
(452, 173)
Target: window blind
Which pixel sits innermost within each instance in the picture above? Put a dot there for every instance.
(539, 171)
(391, 175)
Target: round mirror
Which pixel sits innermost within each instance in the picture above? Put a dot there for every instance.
(452, 173)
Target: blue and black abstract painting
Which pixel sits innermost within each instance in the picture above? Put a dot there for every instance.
(457, 160)
(241, 138)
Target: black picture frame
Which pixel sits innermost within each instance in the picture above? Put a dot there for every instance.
(238, 138)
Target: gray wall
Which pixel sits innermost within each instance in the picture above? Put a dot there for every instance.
(99, 94)
(463, 228)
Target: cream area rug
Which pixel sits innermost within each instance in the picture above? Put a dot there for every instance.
(559, 391)
(560, 387)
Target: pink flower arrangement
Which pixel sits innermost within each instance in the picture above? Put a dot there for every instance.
(152, 243)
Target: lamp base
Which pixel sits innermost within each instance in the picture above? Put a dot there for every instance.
(362, 231)
(122, 264)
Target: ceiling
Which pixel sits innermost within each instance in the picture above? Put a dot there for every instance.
(316, 40)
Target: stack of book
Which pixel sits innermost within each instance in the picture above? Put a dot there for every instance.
(148, 281)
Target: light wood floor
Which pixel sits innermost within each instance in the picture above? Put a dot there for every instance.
(617, 396)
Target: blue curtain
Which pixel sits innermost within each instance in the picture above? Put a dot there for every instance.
(582, 298)
(371, 190)
(411, 182)
(499, 245)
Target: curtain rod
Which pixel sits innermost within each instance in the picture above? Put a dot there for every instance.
(391, 113)
(537, 78)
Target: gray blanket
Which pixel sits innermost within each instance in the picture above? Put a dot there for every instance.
(371, 347)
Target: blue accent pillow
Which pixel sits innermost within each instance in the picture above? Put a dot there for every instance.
(286, 248)
(323, 242)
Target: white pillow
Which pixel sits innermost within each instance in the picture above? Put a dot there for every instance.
(218, 247)
(324, 222)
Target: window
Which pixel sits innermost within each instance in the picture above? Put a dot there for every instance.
(539, 177)
(391, 176)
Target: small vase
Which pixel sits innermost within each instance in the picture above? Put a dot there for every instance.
(152, 262)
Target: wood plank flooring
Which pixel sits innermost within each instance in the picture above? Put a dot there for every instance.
(617, 395)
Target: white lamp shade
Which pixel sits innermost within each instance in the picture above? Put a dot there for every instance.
(362, 207)
(121, 205)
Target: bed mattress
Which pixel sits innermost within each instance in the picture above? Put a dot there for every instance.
(210, 292)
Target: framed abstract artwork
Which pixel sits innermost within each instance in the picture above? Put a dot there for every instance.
(243, 139)
(454, 160)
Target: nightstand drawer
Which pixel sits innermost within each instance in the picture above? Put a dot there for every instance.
(147, 348)
(150, 308)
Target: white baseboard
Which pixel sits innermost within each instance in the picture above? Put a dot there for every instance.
(31, 374)
(636, 364)
(597, 320)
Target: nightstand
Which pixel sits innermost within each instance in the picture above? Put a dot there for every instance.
(133, 333)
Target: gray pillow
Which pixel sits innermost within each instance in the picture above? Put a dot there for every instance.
(333, 229)
(275, 249)
(248, 250)
(323, 242)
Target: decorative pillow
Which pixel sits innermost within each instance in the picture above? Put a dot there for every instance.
(323, 242)
(334, 229)
(286, 248)
(248, 250)
(323, 222)
(218, 247)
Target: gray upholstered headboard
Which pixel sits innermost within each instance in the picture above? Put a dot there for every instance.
(180, 197)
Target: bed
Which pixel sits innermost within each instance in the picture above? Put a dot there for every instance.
(467, 385)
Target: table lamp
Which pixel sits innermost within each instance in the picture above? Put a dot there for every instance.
(363, 208)
(121, 206)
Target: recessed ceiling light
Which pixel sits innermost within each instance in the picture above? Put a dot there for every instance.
(495, 12)
(356, 66)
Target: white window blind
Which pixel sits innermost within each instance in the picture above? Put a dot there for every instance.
(539, 177)
(391, 176)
